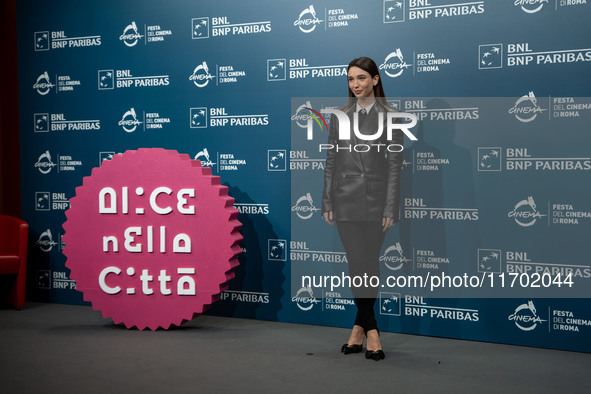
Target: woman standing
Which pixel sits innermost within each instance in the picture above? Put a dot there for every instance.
(361, 193)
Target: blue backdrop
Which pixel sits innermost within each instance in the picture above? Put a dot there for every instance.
(498, 181)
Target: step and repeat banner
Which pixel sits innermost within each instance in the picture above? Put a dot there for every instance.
(496, 193)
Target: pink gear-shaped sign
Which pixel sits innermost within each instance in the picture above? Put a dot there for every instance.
(151, 238)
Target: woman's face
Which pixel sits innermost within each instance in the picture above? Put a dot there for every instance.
(361, 83)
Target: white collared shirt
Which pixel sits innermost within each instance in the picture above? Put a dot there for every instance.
(367, 109)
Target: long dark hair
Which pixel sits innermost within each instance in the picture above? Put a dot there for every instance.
(368, 65)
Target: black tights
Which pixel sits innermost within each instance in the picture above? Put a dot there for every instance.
(363, 242)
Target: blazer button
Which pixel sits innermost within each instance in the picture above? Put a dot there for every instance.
(362, 175)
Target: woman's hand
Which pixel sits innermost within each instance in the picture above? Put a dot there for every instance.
(328, 217)
(387, 223)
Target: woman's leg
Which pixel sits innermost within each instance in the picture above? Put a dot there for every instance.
(363, 242)
(357, 335)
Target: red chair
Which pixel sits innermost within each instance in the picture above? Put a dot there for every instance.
(14, 234)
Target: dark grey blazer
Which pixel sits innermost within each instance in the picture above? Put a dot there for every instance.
(362, 186)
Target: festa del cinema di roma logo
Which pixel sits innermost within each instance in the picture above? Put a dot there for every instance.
(151, 238)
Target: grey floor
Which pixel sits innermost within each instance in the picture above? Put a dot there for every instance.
(51, 348)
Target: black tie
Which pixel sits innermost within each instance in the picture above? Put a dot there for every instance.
(362, 116)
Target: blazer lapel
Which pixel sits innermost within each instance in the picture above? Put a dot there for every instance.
(370, 126)
(354, 140)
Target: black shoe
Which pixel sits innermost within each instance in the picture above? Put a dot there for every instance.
(348, 349)
(375, 355)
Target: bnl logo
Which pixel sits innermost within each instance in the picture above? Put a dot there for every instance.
(277, 250)
(390, 304)
(105, 156)
(490, 56)
(42, 41)
(489, 158)
(42, 201)
(41, 122)
(106, 80)
(43, 279)
(393, 11)
(276, 70)
(276, 160)
(199, 28)
(198, 118)
(489, 260)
